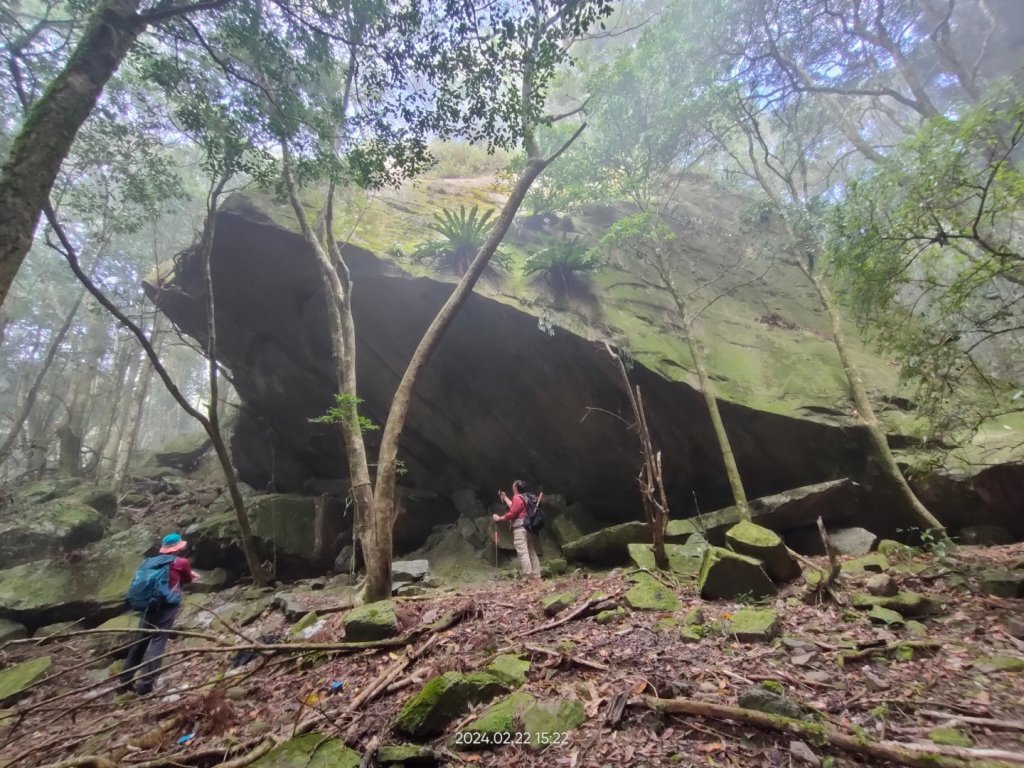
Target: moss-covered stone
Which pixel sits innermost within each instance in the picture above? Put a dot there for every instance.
(14, 680)
(876, 562)
(752, 625)
(554, 566)
(692, 634)
(118, 632)
(374, 621)
(510, 668)
(908, 604)
(680, 531)
(999, 664)
(312, 750)
(498, 720)
(554, 604)
(549, 722)
(649, 594)
(950, 737)
(611, 616)
(683, 559)
(916, 628)
(881, 615)
(49, 530)
(726, 575)
(756, 541)
(408, 756)
(445, 698)
(608, 546)
(694, 617)
(306, 621)
(763, 700)
(1002, 583)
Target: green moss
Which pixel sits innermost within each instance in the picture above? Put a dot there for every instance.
(374, 621)
(774, 686)
(999, 664)
(306, 621)
(752, 624)
(905, 603)
(694, 617)
(548, 723)
(510, 668)
(312, 750)
(649, 594)
(446, 697)
(683, 559)
(610, 616)
(950, 737)
(16, 679)
(881, 615)
(876, 562)
(498, 719)
(692, 634)
(725, 574)
(554, 604)
(400, 754)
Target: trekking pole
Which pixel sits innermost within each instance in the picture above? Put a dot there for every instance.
(495, 525)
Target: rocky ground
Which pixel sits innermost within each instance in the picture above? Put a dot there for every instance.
(571, 665)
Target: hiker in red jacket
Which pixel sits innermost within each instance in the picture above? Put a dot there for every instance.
(148, 649)
(525, 543)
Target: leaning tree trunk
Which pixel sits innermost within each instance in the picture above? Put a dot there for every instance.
(138, 405)
(867, 413)
(52, 124)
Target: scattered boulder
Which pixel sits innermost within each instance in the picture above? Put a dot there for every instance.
(876, 562)
(209, 581)
(611, 615)
(496, 724)
(470, 532)
(881, 585)
(763, 700)
(53, 629)
(895, 550)
(49, 530)
(408, 571)
(1014, 626)
(117, 634)
(103, 500)
(725, 575)
(752, 625)
(11, 630)
(304, 623)
(608, 546)
(758, 542)
(375, 621)
(649, 594)
(886, 616)
(548, 722)
(984, 535)
(804, 754)
(683, 559)
(999, 664)
(183, 452)
(554, 566)
(311, 750)
(449, 696)
(570, 523)
(908, 604)
(554, 604)
(1002, 583)
(14, 680)
(851, 542)
(407, 755)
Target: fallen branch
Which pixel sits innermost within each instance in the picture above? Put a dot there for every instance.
(914, 755)
(591, 606)
(574, 659)
(1008, 725)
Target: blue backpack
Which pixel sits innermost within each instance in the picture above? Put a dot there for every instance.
(151, 587)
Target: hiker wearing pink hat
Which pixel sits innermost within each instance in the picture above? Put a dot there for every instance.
(156, 593)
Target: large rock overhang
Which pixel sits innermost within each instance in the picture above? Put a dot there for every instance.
(499, 400)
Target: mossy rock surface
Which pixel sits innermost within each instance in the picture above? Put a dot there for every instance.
(375, 621)
(121, 631)
(680, 531)
(999, 664)
(510, 668)
(445, 698)
(49, 530)
(725, 575)
(609, 546)
(763, 700)
(876, 562)
(756, 541)
(649, 594)
(548, 723)
(886, 616)
(683, 559)
(1002, 583)
(611, 616)
(752, 625)
(499, 719)
(895, 550)
(555, 604)
(306, 621)
(11, 630)
(14, 680)
(907, 604)
(693, 634)
(554, 566)
(694, 617)
(312, 750)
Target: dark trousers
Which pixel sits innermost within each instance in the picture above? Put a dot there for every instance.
(148, 648)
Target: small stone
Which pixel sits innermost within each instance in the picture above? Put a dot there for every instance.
(555, 604)
(209, 581)
(235, 693)
(881, 585)
(692, 634)
(409, 570)
(1014, 627)
(950, 737)
(999, 664)
(407, 755)
(803, 754)
(1002, 583)
(762, 700)
(875, 562)
(916, 628)
(752, 625)
(375, 621)
(694, 617)
(881, 615)
(852, 542)
(756, 541)
(726, 575)
(554, 566)
(547, 722)
(909, 604)
(611, 616)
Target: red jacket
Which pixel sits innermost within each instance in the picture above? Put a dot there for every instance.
(181, 573)
(517, 510)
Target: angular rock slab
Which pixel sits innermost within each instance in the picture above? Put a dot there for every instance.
(14, 680)
(312, 750)
(1002, 583)
(608, 546)
(649, 594)
(752, 625)
(725, 575)
(367, 623)
(765, 545)
(683, 559)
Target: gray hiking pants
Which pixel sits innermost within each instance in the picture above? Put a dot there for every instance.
(148, 648)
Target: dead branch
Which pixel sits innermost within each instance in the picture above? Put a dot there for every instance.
(914, 755)
(1008, 725)
(574, 659)
(593, 605)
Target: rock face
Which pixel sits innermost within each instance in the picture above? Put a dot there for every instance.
(51, 529)
(272, 331)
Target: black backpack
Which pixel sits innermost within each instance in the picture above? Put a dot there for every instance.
(534, 520)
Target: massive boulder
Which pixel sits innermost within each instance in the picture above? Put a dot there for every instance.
(51, 529)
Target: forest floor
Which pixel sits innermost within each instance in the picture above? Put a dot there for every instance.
(964, 671)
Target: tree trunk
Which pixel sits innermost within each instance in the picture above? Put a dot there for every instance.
(118, 377)
(131, 436)
(33, 391)
(866, 412)
(52, 124)
(72, 432)
(112, 450)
